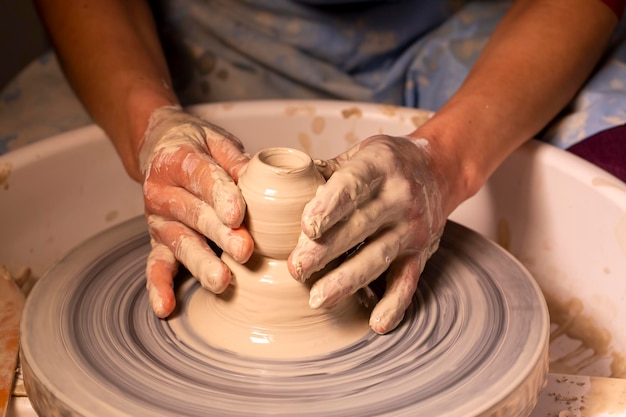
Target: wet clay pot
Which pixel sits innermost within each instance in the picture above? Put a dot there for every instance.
(266, 312)
(276, 185)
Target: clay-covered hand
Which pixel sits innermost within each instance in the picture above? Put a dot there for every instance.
(384, 193)
(190, 168)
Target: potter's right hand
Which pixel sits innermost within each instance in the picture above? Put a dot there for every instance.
(383, 198)
(190, 168)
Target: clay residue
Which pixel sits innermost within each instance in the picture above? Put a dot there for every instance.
(307, 110)
(318, 124)
(468, 49)
(389, 110)
(568, 395)
(305, 142)
(420, 119)
(604, 182)
(5, 173)
(595, 341)
(504, 234)
(351, 138)
(377, 42)
(11, 302)
(355, 112)
(267, 315)
(614, 120)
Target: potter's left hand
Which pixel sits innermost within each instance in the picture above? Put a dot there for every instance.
(383, 192)
(190, 167)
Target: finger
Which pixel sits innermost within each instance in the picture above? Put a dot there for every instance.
(356, 272)
(176, 127)
(402, 279)
(309, 256)
(202, 176)
(326, 167)
(186, 208)
(227, 150)
(161, 267)
(356, 181)
(192, 251)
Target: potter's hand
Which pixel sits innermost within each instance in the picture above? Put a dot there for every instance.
(382, 192)
(190, 167)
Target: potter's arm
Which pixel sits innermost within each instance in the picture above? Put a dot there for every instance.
(536, 60)
(539, 56)
(111, 55)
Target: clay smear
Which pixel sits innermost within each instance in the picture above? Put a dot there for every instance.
(589, 345)
(11, 302)
(267, 315)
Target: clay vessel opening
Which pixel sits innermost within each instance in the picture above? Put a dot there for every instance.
(290, 160)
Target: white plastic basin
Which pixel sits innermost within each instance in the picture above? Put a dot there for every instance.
(562, 217)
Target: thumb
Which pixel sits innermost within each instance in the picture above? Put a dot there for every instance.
(326, 167)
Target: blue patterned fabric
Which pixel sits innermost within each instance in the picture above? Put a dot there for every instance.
(232, 50)
(36, 104)
(408, 52)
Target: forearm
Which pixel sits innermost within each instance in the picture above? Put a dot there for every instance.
(534, 63)
(111, 55)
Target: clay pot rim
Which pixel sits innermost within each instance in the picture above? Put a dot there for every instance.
(285, 159)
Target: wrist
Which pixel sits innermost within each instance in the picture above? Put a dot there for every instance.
(127, 125)
(458, 166)
(470, 136)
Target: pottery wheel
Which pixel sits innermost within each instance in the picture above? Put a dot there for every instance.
(473, 343)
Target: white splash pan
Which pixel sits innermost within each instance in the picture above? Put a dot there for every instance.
(562, 217)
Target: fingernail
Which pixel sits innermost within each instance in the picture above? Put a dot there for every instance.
(313, 227)
(385, 322)
(230, 209)
(316, 298)
(156, 301)
(376, 324)
(295, 268)
(217, 279)
(235, 247)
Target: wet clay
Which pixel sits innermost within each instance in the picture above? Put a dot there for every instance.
(266, 312)
(267, 315)
(474, 343)
(592, 342)
(11, 302)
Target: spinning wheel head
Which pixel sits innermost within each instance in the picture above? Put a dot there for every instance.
(474, 343)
